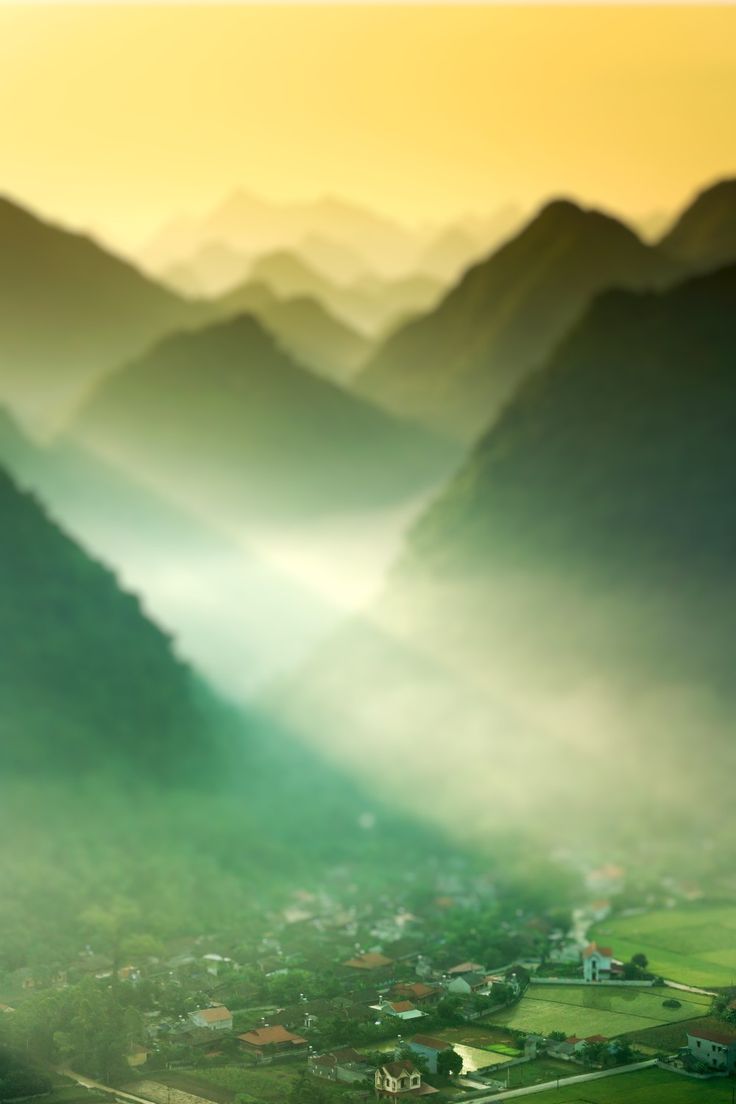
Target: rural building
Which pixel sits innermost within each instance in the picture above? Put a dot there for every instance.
(266, 1041)
(218, 1018)
(468, 983)
(345, 1065)
(397, 1080)
(418, 992)
(466, 968)
(716, 1049)
(597, 962)
(369, 961)
(401, 1010)
(429, 1048)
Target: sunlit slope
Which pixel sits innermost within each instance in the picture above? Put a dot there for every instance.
(69, 311)
(224, 419)
(454, 368)
(86, 681)
(566, 608)
(704, 236)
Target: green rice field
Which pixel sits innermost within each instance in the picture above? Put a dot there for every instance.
(694, 944)
(650, 1086)
(591, 1010)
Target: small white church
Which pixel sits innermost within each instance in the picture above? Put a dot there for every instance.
(597, 962)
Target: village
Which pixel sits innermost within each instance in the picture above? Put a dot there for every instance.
(395, 1013)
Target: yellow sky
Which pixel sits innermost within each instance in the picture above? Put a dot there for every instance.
(119, 117)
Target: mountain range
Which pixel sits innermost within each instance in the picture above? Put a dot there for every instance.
(455, 367)
(222, 420)
(565, 608)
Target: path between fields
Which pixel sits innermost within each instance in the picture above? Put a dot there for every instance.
(156, 1092)
(563, 1082)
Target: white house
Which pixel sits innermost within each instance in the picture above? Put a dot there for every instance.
(597, 962)
(397, 1078)
(402, 1010)
(715, 1049)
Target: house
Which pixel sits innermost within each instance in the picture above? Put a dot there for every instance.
(217, 1018)
(715, 1049)
(429, 1048)
(402, 1010)
(467, 983)
(597, 962)
(369, 961)
(137, 1056)
(418, 992)
(345, 1065)
(400, 1079)
(265, 1041)
(578, 1045)
(466, 968)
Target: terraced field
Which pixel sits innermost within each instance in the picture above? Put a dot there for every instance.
(591, 1010)
(694, 944)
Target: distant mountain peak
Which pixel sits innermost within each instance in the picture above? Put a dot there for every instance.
(704, 236)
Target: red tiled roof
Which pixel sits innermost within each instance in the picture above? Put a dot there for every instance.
(713, 1036)
(596, 1039)
(214, 1015)
(416, 989)
(465, 968)
(271, 1036)
(395, 1069)
(593, 948)
(402, 1006)
(370, 961)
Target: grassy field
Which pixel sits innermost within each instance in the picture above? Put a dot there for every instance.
(537, 1072)
(650, 1086)
(269, 1084)
(668, 1038)
(591, 1010)
(694, 944)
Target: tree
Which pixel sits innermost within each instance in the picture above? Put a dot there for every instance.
(449, 1063)
(640, 960)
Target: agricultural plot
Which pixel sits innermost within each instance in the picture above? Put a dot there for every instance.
(591, 1010)
(693, 944)
(650, 1086)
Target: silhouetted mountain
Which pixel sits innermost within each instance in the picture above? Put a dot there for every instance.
(454, 368)
(87, 682)
(704, 235)
(69, 311)
(566, 609)
(316, 338)
(223, 419)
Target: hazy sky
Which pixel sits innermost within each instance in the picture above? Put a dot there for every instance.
(118, 118)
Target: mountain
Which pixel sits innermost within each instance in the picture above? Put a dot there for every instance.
(69, 311)
(247, 222)
(334, 258)
(224, 421)
(454, 248)
(315, 338)
(86, 681)
(566, 609)
(704, 236)
(454, 368)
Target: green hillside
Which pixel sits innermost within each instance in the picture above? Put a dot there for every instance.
(455, 367)
(86, 681)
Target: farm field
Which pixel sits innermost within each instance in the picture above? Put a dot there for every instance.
(667, 1038)
(693, 944)
(269, 1084)
(588, 1010)
(650, 1086)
